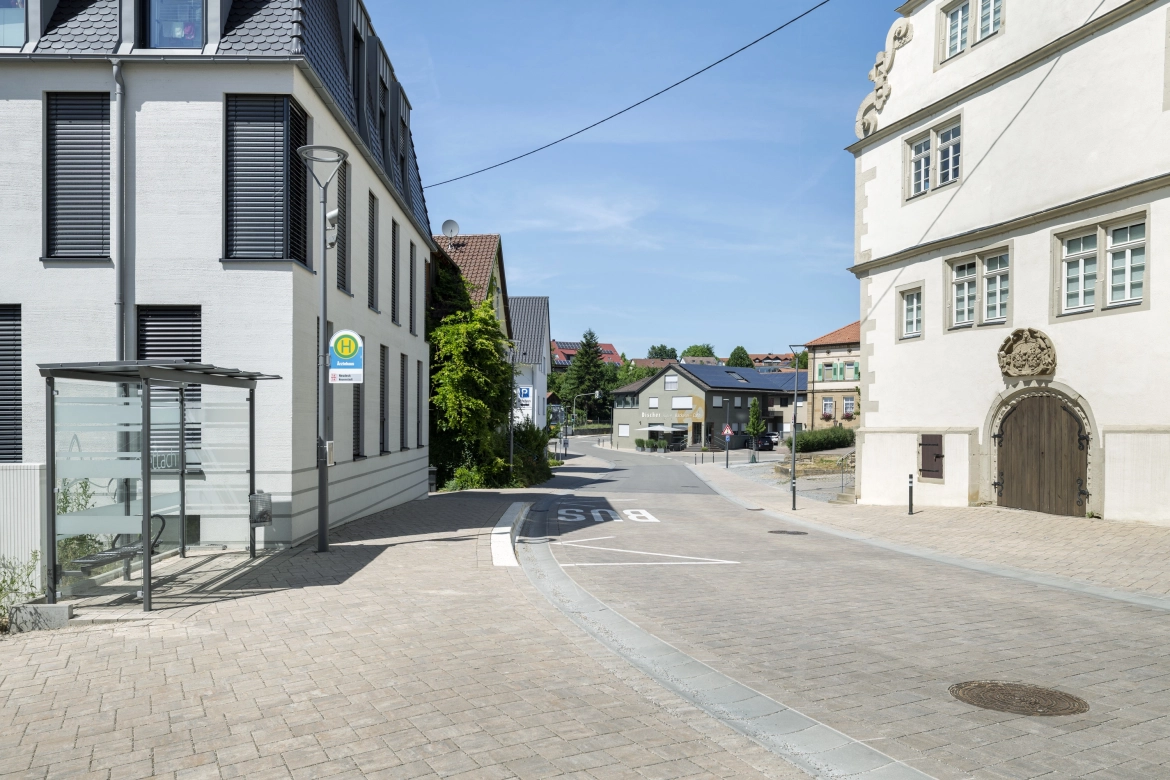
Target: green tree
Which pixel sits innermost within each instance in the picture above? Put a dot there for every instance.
(662, 352)
(471, 397)
(587, 374)
(699, 350)
(802, 360)
(448, 294)
(740, 358)
(755, 425)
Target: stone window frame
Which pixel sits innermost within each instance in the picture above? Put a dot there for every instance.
(942, 31)
(1102, 225)
(932, 132)
(900, 293)
(979, 257)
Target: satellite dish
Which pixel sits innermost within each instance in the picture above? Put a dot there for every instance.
(450, 228)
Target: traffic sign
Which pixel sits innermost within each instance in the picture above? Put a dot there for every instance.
(727, 430)
(346, 358)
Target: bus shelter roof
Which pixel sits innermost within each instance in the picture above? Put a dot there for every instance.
(177, 371)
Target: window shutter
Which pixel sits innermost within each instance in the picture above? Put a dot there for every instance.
(342, 248)
(383, 388)
(402, 444)
(78, 179)
(255, 176)
(820, 372)
(372, 261)
(170, 333)
(297, 183)
(10, 387)
(932, 456)
(412, 286)
(394, 272)
(358, 427)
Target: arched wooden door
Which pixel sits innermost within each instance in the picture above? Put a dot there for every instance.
(1043, 458)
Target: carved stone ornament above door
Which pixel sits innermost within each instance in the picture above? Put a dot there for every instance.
(900, 34)
(1027, 352)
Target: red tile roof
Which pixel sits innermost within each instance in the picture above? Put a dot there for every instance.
(564, 352)
(474, 255)
(850, 334)
(653, 362)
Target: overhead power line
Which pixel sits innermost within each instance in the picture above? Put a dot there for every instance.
(791, 21)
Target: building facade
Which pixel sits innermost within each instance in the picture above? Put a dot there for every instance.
(689, 405)
(530, 324)
(834, 367)
(1008, 259)
(480, 259)
(156, 207)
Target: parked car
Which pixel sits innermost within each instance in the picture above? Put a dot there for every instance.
(774, 436)
(764, 442)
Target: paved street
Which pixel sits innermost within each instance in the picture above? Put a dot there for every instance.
(868, 640)
(402, 653)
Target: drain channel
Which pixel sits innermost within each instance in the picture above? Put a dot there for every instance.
(790, 533)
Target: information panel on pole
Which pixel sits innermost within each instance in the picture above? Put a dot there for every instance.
(346, 358)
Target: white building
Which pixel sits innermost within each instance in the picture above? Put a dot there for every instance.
(154, 206)
(533, 338)
(1013, 190)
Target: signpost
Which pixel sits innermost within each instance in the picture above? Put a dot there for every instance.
(524, 395)
(346, 358)
(726, 443)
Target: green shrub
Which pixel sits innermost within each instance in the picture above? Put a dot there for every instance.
(823, 439)
(530, 464)
(639, 442)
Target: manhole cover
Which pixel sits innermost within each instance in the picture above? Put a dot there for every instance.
(790, 533)
(1018, 698)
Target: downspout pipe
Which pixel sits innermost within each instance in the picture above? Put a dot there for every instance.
(118, 205)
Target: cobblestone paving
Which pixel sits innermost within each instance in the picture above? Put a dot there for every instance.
(868, 640)
(1128, 556)
(402, 653)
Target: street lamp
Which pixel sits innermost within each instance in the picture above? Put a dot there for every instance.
(795, 411)
(332, 158)
(595, 394)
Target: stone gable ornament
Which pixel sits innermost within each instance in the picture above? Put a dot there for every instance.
(867, 121)
(1027, 352)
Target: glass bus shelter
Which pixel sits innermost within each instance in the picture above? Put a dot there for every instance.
(124, 439)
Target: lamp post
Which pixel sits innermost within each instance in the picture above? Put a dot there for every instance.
(727, 439)
(595, 394)
(795, 413)
(332, 158)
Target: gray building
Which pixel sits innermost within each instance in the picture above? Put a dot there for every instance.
(533, 357)
(689, 405)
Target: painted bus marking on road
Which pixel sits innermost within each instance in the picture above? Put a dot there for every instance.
(691, 560)
(569, 514)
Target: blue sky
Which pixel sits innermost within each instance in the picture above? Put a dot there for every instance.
(721, 212)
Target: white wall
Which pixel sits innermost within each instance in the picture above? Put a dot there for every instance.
(1136, 487)
(888, 459)
(22, 512)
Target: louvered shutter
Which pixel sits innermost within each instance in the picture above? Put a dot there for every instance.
(394, 272)
(402, 444)
(169, 333)
(342, 248)
(383, 388)
(358, 421)
(297, 184)
(10, 389)
(78, 175)
(412, 286)
(255, 176)
(372, 255)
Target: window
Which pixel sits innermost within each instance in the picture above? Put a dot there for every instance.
(717, 401)
(738, 402)
(412, 287)
(78, 184)
(671, 382)
(682, 402)
(995, 274)
(965, 290)
(623, 430)
(355, 75)
(372, 252)
(174, 24)
(1127, 263)
(167, 333)
(912, 314)
(342, 246)
(990, 17)
(920, 167)
(853, 370)
(418, 405)
(383, 124)
(12, 13)
(957, 21)
(267, 182)
(359, 423)
(949, 147)
(827, 406)
(653, 402)
(1080, 272)
(11, 411)
(402, 444)
(383, 399)
(930, 454)
(849, 405)
(394, 271)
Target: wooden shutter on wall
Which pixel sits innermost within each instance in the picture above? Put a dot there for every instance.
(10, 387)
(931, 454)
(78, 174)
(169, 333)
(342, 247)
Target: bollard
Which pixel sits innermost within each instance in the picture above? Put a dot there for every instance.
(911, 494)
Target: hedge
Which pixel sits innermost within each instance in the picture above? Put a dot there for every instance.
(823, 439)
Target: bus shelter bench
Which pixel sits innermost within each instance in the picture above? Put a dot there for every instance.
(125, 553)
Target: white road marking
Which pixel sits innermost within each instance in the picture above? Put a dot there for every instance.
(594, 539)
(502, 552)
(655, 563)
(641, 552)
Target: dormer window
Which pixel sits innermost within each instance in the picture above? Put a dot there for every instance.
(12, 26)
(174, 24)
